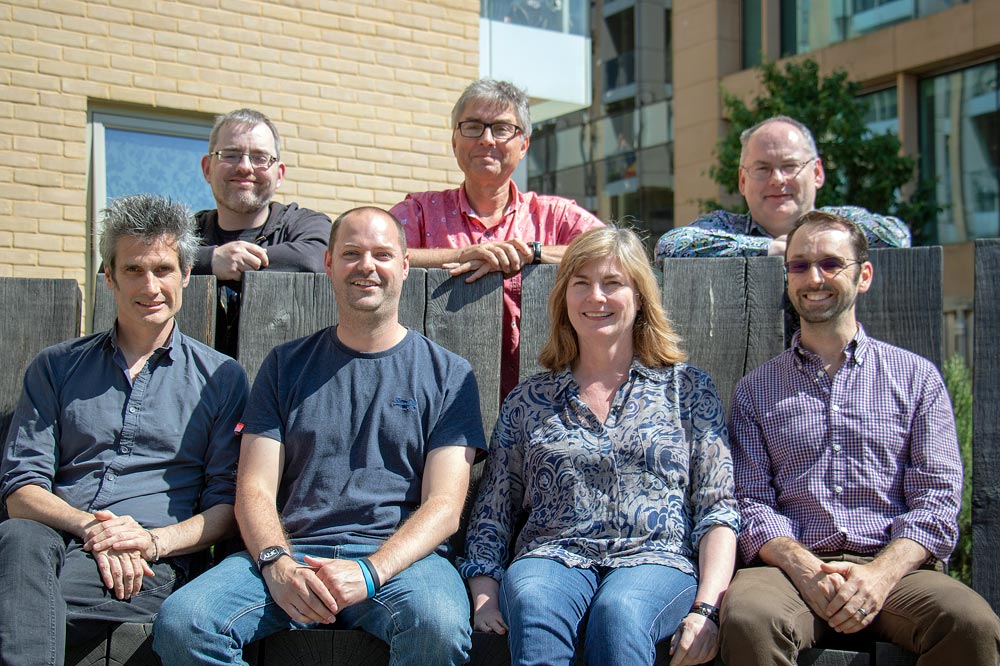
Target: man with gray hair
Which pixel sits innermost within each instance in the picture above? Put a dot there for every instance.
(780, 171)
(120, 461)
(487, 225)
(248, 231)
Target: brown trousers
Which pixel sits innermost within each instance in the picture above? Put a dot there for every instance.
(766, 622)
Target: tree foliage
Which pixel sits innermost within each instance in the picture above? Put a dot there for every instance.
(862, 168)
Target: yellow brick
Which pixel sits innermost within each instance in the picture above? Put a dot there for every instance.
(106, 45)
(375, 14)
(62, 228)
(38, 211)
(390, 31)
(37, 17)
(374, 182)
(86, 26)
(198, 89)
(20, 95)
(24, 63)
(206, 61)
(110, 14)
(132, 64)
(19, 160)
(37, 241)
(359, 197)
(239, 65)
(86, 57)
(75, 182)
(21, 259)
(107, 75)
(59, 195)
(279, 11)
(360, 54)
(76, 245)
(37, 145)
(61, 259)
(62, 132)
(135, 95)
(65, 70)
(6, 239)
(221, 47)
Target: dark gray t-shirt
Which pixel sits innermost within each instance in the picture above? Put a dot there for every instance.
(357, 428)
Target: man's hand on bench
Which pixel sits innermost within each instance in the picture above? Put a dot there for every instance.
(121, 547)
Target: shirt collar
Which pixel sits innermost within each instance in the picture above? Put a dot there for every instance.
(855, 350)
(173, 350)
(512, 203)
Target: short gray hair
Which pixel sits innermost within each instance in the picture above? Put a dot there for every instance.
(244, 119)
(499, 95)
(749, 132)
(148, 217)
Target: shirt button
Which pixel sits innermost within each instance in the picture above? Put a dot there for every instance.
(835, 408)
(110, 474)
(836, 447)
(132, 410)
(125, 449)
(819, 373)
(838, 489)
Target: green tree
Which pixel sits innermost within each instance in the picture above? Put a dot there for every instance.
(959, 383)
(862, 169)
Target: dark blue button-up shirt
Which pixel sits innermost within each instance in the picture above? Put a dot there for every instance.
(160, 448)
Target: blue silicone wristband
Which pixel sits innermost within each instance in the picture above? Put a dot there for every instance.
(369, 583)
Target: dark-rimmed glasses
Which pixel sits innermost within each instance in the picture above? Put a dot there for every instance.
(473, 129)
(234, 157)
(828, 266)
(788, 170)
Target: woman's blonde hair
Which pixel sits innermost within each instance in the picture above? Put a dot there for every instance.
(654, 340)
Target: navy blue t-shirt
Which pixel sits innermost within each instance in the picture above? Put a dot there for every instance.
(357, 428)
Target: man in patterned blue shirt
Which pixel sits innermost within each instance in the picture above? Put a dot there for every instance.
(780, 171)
(849, 480)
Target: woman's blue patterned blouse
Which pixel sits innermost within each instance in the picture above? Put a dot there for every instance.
(641, 488)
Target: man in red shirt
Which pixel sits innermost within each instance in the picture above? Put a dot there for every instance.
(487, 224)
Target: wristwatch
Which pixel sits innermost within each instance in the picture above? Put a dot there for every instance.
(270, 555)
(536, 251)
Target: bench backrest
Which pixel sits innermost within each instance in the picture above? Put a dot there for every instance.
(37, 312)
(986, 424)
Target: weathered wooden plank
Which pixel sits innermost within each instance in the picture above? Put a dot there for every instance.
(765, 287)
(816, 657)
(91, 653)
(196, 316)
(460, 318)
(278, 307)
(37, 313)
(904, 306)
(986, 424)
(887, 654)
(132, 645)
(536, 285)
(308, 647)
(707, 303)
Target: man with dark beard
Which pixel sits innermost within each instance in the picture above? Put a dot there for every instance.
(849, 480)
(248, 231)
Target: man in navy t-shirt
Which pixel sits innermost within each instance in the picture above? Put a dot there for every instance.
(358, 443)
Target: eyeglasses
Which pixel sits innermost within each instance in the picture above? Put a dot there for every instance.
(828, 266)
(788, 170)
(473, 129)
(234, 157)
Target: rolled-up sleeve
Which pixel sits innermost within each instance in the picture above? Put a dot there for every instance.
(222, 453)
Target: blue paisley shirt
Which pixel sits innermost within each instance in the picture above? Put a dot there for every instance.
(640, 488)
(725, 234)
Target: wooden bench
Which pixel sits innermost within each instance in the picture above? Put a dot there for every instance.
(730, 314)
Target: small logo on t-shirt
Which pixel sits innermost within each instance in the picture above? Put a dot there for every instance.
(406, 404)
(238, 430)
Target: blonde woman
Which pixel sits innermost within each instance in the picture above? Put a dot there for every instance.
(617, 460)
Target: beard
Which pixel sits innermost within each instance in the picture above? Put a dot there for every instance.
(245, 202)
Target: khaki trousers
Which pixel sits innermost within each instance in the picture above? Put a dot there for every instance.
(766, 622)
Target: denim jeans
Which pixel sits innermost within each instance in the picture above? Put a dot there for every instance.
(625, 611)
(422, 613)
(51, 594)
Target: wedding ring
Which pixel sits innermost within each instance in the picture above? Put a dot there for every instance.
(863, 613)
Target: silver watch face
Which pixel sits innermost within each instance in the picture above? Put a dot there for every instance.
(270, 554)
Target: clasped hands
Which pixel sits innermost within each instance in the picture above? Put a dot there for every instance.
(231, 260)
(847, 596)
(507, 257)
(317, 590)
(123, 549)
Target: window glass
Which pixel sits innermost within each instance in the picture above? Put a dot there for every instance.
(812, 24)
(882, 113)
(960, 150)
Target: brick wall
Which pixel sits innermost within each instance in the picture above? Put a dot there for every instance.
(360, 91)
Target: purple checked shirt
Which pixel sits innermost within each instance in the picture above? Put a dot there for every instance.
(848, 463)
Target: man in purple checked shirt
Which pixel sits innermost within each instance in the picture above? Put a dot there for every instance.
(849, 480)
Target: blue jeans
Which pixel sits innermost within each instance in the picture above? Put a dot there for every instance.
(51, 594)
(422, 613)
(628, 610)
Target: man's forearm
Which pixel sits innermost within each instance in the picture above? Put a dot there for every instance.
(428, 527)
(790, 556)
(197, 532)
(900, 557)
(38, 504)
(426, 257)
(258, 520)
